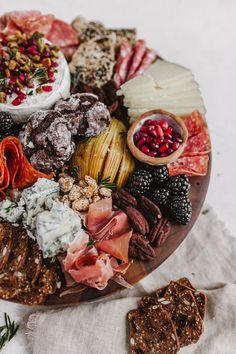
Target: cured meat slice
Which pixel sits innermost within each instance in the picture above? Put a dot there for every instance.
(117, 247)
(15, 168)
(94, 271)
(195, 123)
(62, 34)
(189, 165)
(76, 249)
(116, 226)
(148, 58)
(98, 215)
(123, 62)
(32, 21)
(139, 51)
(198, 144)
(69, 51)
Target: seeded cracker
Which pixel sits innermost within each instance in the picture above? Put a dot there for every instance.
(152, 331)
(185, 315)
(199, 297)
(153, 299)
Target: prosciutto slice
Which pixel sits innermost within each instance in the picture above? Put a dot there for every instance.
(117, 247)
(98, 215)
(117, 225)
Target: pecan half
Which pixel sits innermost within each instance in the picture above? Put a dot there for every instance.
(137, 220)
(122, 199)
(149, 210)
(159, 232)
(140, 248)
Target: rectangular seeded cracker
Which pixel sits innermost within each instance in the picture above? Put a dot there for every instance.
(152, 331)
(184, 312)
(152, 299)
(199, 297)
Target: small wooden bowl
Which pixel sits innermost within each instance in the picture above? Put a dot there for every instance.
(158, 114)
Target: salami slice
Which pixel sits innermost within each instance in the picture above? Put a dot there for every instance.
(32, 21)
(148, 58)
(139, 51)
(123, 63)
(189, 165)
(195, 123)
(62, 34)
(69, 51)
(198, 144)
(15, 168)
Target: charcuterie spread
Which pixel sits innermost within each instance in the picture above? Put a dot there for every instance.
(99, 141)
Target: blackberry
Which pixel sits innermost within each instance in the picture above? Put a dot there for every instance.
(180, 209)
(6, 122)
(139, 182)
(178, 185)
(159, 173)
(160, 197)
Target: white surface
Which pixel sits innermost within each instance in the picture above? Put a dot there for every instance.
(200, 35)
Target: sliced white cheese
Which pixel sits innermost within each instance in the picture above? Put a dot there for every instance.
(44, 100)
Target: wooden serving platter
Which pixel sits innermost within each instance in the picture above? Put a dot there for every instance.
(138, 270)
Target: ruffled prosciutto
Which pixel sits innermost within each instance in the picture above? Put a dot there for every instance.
(117, 247)
(98, 215)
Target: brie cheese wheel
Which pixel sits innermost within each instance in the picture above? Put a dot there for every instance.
(44, 100)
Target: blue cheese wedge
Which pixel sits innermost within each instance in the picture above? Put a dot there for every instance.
(56, 228)
(11, 211)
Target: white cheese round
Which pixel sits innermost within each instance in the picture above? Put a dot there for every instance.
(44, 100)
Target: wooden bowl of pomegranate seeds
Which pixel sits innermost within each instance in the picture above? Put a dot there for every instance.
(157, 137)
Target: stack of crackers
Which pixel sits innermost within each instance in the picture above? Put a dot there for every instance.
(167, 320)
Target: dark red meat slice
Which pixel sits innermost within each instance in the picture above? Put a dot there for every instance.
(69, 51)
(189, 165)
(139, 51)
(123, 63)
(198, 144)
(62, 34)
(195, 123)
(148, 58)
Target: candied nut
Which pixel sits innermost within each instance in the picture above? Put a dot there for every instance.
(81, 204)
(88, 191)
(90, 181)
(66, 183)
(65, 200)
(105, 192)
(96, 198)
(150, 210)
(159, 232)
(75, 192)
(82, 183)
(122, 198)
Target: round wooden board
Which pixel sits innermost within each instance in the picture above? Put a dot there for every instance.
(138, 270)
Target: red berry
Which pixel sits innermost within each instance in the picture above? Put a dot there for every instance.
(149, 122)
(47, 88)
(16, 101)
(170, 151)
(136, 137)
(169, 130)
(145, 149)
(164, 154)
(154, 146)
(141, 141)
(152, 153)
(168, 135)
(22, 77)
(22, 95)
(154, 133)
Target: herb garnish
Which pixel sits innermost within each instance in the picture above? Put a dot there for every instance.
(41, 74)
(74, 171)
(3, 84)
(106, 182)
(12, 206)
(7, 331)
(91, 243)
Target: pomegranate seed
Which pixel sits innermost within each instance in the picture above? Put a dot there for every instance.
(145, 149)
(175, 146)
(22, 49)
(52, 80)
(16, 89)
(154, 133)
(151, 127)
(149, 122)
(22, 95)
(169, 130)
(33, 50)
(168, 135)
(152, 153)
(164, 124)
(149, 140)
(144, 134)
(144, 129)
(22, 77)
(159, 140)
(141, 141)
(55, 64)
(25, 43)
(170, 151)
(154, 146)
(16, 101)
(47, 88)
(163, 148)
(136, 137)
(50, 74)
(164, 154)
(159, 131)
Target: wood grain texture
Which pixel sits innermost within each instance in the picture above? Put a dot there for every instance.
(138, 270)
